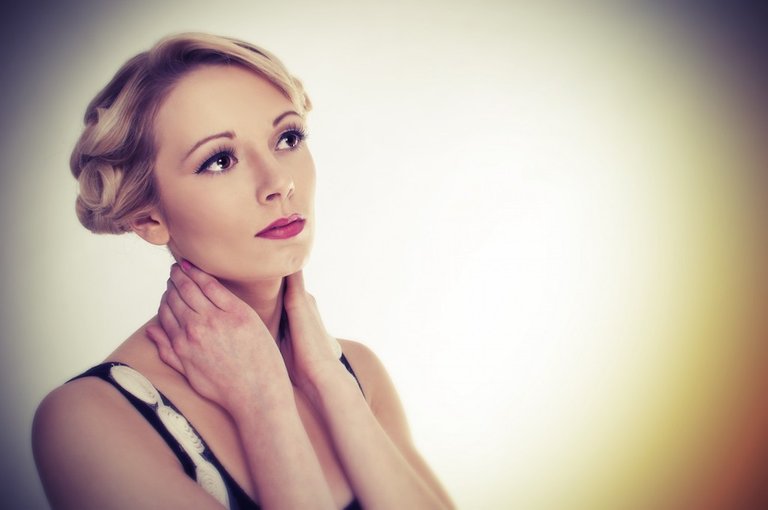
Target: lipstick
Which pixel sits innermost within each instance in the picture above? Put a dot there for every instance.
(283, 228)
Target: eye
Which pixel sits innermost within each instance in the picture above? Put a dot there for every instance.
(291, 139)
(221, 161)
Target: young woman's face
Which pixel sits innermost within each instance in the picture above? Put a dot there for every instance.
(231, 160)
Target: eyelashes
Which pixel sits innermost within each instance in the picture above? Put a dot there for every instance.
(223, 158)
(293, 135)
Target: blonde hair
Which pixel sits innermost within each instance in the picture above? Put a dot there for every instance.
(113, 159)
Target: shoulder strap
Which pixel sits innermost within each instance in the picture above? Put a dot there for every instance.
(103, 372)
(168, 421)
(345, 362)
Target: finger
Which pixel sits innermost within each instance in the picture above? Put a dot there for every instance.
(178, 306)
(294, 289)
(164, 348)
(189, 291)
(168, 321)
(295, 282)
(210, 287)
(175, 332)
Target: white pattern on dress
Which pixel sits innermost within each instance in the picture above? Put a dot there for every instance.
(206, 474)
(179, 427)
(135, 384)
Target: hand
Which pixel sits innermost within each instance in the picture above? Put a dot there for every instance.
(309, 351)
(214, 339)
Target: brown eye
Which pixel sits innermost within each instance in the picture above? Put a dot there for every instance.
(218, 163)
(291, 139)
(223, 162)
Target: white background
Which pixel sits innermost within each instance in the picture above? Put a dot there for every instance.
(515, 206)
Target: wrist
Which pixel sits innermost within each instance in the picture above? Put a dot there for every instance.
(261, 399)
(333, 382)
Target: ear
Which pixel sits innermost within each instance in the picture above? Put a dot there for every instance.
(151, 227)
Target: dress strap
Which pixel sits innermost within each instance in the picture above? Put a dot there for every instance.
(197, 460)
(345, 362)
(103, 372)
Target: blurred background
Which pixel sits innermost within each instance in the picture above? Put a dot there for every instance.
(548, 220)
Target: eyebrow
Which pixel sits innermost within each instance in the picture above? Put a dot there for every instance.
(282, 116)
(231, 134)
(223, 134)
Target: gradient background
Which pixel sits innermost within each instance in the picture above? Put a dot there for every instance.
(548, 222)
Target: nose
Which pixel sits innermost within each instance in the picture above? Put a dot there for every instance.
(275, 183)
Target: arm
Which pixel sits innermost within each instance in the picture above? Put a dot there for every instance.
(280, 456)
(228, 356)
(372, 441)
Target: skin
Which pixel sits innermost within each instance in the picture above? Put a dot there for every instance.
(294, 433)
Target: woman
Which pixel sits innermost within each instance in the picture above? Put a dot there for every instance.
(198, 144)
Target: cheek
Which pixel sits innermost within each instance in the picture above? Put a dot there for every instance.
(306, 178)
(195, 219)
(217, 241)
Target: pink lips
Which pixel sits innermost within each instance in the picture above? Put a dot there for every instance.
(283, 228)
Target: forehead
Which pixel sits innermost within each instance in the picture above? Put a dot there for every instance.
(217, 97)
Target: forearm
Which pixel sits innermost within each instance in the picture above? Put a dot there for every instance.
(282, 461)
(381, 476)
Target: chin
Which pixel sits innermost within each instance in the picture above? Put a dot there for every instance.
(295, 263)
(287, 265)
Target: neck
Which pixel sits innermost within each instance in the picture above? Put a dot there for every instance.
(266, 299)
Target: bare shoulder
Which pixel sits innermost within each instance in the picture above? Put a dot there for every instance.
(65, 403)
(85, 437)
(71, 412)
(360, 355)
(94, 449)
(380, 391)
(368, 368)
(87, 406)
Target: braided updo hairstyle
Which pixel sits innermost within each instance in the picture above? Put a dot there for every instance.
(114, 157)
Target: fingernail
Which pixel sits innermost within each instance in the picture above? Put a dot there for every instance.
(185, 265)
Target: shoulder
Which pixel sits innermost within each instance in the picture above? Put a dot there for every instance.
(380, 391)
(359, 354)
(82, 416)
(72, 406)
(86, 435)
(368, 367)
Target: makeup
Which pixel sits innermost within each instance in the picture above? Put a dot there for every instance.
(283, 228)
